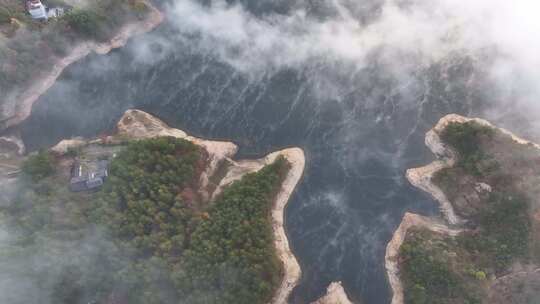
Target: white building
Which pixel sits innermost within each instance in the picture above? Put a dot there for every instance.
(37, 10)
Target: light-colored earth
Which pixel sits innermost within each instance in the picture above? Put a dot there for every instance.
(335, 294)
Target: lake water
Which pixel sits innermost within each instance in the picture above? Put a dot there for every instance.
(359, 135)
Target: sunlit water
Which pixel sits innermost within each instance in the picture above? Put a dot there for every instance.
(358, 142)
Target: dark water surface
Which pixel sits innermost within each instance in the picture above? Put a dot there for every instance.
(358, 143)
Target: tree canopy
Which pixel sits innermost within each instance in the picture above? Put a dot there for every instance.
(218, 254)
(39, 165)
(147, 237)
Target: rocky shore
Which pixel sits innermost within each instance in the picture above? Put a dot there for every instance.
(17, 110)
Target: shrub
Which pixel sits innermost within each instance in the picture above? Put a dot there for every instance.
(140, 8)
(39, 166)
(5, 16)
(480, 275)
(84, 22)
(504, 232)
(465, 138)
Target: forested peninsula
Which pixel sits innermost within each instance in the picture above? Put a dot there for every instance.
(176, 220)
(485, 248)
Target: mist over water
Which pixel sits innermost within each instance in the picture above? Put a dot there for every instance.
(356, 84)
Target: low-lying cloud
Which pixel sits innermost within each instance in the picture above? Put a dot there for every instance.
(501, 37)
(426, 29)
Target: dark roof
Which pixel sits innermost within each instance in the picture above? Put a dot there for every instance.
(78, 179)
(94, 183)
(103, 164)
(76, 169)
(82, 181)
(100, 174)
(78, 186)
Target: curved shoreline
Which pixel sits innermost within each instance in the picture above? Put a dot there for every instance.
(136, 124)
(392, 249)
(421, 178)
(22, 106)
(295, 156)
(446, 158)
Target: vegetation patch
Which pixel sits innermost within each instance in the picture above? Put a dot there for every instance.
(30, 47)
(85, 22)
(503, 233)
(232, 257)
(39, 166)
(466, 139)
(5, 15)
(435, 271)
(489, 187)
(146, 237)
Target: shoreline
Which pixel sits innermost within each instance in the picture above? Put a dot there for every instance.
(295, 156)
(421, 178)
(446, 157)
(391, 258)
(136, 124)
(21, 109)
(139, 124)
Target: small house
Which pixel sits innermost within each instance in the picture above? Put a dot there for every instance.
(102, 169)
(40, 11)
(78, 184)
(94, 182)
(87, 181)
(76, 169)
(37, 10)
